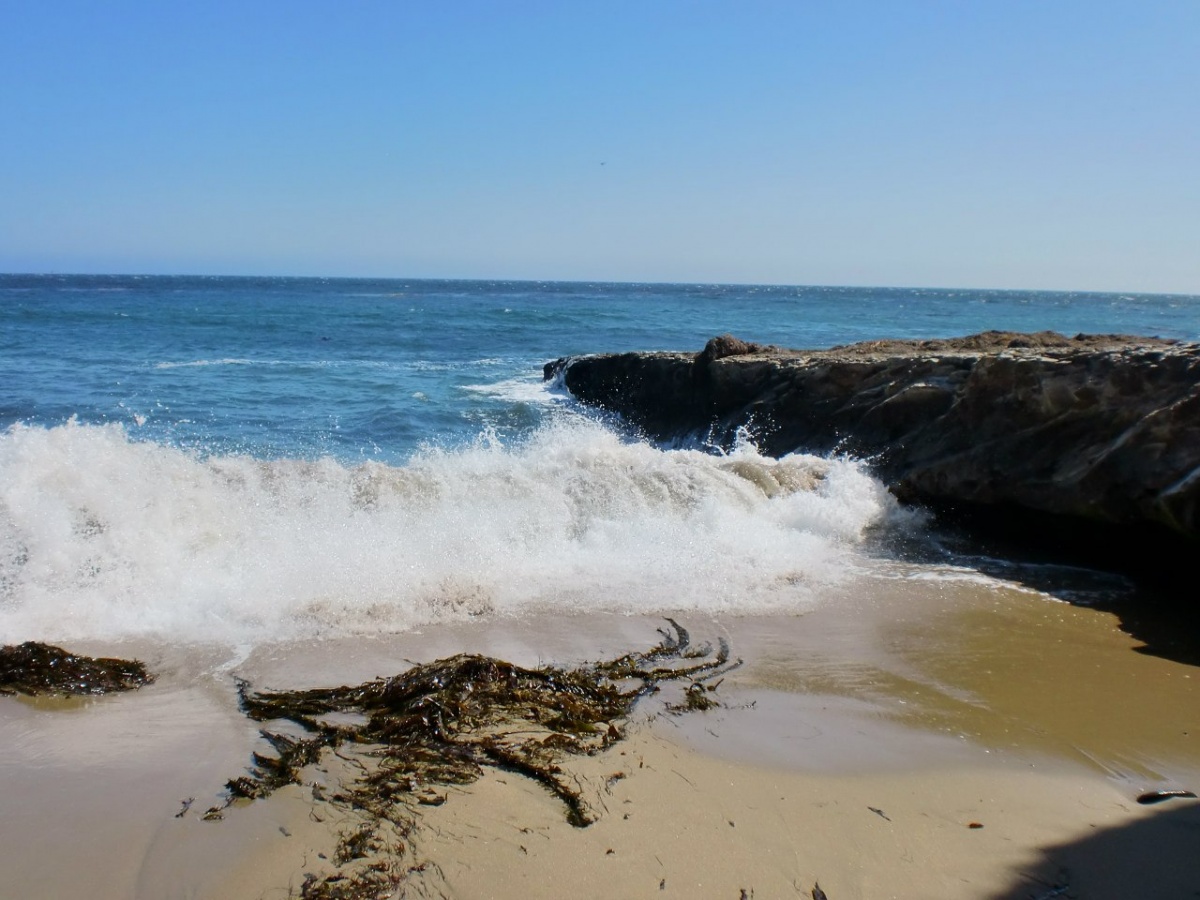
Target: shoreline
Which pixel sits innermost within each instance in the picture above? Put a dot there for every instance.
(938, 707)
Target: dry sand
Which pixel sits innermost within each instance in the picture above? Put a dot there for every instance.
(857, 747)
(686, 825)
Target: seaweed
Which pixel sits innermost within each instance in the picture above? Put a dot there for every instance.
(34, 668)
(444, 724)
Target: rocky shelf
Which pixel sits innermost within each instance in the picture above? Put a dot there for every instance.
(1087, 441)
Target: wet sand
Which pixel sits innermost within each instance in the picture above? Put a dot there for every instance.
(856, 747)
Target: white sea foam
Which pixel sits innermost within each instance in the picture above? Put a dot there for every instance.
(386, 365)
(105, 537)
(204, 363)
(532, 390)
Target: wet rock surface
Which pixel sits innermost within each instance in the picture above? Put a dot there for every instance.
(1028, 431)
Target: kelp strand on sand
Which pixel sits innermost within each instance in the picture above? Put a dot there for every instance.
(445, 723)
(35, 669)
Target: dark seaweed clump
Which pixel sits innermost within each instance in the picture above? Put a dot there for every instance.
(444, 723)
(33, 668)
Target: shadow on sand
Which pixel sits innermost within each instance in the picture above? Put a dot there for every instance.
(1122, 581)
(1155, 856)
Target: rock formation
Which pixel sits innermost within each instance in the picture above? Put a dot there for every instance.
(1100, 429)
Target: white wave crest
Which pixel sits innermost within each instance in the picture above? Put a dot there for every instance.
(105, 537)
(204, 363)
(531, 390)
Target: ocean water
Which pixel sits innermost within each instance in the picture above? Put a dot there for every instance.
(244, 460)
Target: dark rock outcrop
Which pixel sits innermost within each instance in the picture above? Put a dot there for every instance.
(1100, 429)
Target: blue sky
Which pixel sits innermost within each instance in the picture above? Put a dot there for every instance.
(958, 144)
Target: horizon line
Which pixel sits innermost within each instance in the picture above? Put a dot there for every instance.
(627, 283)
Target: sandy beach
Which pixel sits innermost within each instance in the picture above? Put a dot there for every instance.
(916, 741)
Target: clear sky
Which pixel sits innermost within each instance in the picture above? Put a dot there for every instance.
(1047, 144)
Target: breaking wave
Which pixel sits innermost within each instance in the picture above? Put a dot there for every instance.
(109, 538)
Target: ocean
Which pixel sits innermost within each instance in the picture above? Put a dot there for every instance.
(245, 460)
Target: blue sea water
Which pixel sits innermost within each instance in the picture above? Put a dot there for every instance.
(242, 459)
(358, 368)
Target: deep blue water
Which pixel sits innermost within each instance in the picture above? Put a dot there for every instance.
(374, 368)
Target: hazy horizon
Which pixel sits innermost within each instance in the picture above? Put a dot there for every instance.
(594, 281)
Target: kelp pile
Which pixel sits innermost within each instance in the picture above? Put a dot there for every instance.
(34, 669)
(445, 723)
